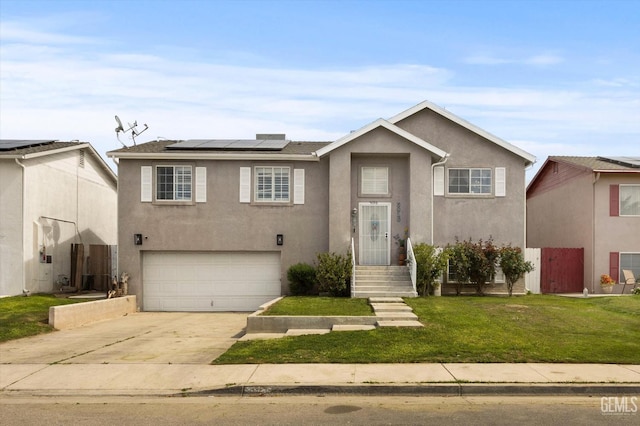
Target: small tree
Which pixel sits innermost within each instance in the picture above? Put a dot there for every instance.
(302, 278)
(513, 265)
(430, 264)
(333, 273)
(460, 262)
(483, 259)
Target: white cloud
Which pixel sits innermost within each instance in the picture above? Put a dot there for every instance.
(71, 89)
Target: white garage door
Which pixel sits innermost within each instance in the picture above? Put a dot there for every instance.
(186, 281)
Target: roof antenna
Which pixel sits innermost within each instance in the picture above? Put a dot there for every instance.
(132, 127)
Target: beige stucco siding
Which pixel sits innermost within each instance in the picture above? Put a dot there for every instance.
(11, 229)
(65, 201)
(223, 223)
(409, 185)
(612, 233)
(468, 216)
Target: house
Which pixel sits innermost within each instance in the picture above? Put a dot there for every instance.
(52, 195)
(211, 225)
(591, 203)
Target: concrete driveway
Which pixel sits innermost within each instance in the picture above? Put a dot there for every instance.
(143, 337)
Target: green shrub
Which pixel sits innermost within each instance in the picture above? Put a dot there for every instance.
(430, 264)
(302, 279)
(513, 265)
(333, 273)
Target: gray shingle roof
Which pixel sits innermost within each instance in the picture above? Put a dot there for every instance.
(47, 146)
(592, 163)
(293, 148)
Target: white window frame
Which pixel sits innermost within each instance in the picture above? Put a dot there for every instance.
(176, 190)
(258, 190)
(377, 184)
(620, 188)
(470, 184)
(633, 267)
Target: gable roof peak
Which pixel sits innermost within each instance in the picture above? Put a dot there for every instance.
(380, 122)
(529, 158)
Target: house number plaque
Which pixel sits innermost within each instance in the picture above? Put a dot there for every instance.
(398, 211)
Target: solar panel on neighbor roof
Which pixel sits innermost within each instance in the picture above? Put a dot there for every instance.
(624, 161)
(7, 144)
(231, 144)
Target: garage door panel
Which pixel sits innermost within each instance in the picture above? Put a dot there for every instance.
(186, 281)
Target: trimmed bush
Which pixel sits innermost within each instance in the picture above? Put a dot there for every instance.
(302, 279)
(431, 262)
(333, 273)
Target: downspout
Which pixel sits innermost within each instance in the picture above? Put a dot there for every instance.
(433, 197)
(24, 197)
(593, 230)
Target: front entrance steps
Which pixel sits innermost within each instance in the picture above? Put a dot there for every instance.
(383, 281)
(388, 312)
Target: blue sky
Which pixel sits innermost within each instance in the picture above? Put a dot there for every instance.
(552, 77)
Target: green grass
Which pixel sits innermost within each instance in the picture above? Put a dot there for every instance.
(320, 306)
(27, 316)
(536, 328)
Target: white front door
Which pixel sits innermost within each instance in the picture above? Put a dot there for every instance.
(375, 225)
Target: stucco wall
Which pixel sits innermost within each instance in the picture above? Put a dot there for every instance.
(475, 217)
(222, 223)
(60, 195)
(11, 264)
(612, 233)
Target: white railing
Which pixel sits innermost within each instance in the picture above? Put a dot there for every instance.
(353, 268)
(413, 268)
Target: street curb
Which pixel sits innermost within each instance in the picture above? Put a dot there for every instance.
(431, 389)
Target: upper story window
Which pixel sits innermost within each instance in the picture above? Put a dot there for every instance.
(470, 181)
(173, 183)
(374, 181)
(629, 200)
(272, 184)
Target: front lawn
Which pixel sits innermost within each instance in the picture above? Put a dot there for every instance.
(537, 328)
(320, 306)
(27, 316)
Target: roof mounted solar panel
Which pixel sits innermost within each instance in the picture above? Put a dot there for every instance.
(230, 145)
(633, 162)
(9, 144)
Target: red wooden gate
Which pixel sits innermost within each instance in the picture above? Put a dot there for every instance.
(561, 270)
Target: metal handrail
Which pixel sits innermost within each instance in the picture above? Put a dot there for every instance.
(353, 268)
(413, 268)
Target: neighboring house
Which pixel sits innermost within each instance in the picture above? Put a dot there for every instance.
(591, 203)
(52, 194)
(215, 224)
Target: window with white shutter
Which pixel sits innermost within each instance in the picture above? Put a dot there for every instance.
(438, 180)
(201, 184)
(501, 182)
(245, 184)
(298, 186)
(145, 184)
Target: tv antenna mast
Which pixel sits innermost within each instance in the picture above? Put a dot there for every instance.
(133, 128)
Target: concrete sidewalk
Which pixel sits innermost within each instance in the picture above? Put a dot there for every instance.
(368, 379)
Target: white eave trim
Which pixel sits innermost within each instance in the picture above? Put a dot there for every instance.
(83, 145)
(530, 158)
(199, 155)
(374, 125)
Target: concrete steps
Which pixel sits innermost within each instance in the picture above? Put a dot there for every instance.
(383, 281)
(393, 313)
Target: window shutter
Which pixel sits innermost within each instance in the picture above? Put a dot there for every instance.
(145, 184)
(614, 264)
(438, 180)
(614, 200)
(245, 184)
(501, 182)
(201, 184)
(298, 186)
